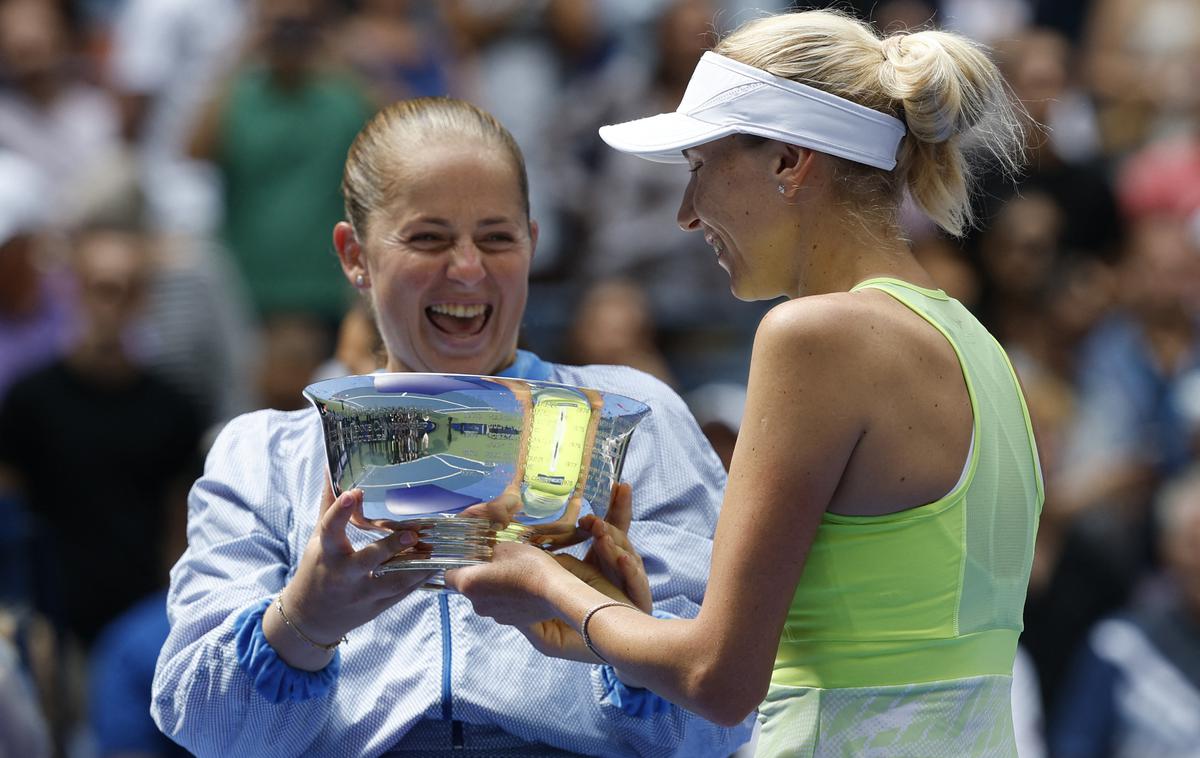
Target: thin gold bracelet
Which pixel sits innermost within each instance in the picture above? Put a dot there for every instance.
(302, 635)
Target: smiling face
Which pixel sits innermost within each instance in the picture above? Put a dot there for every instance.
(732, 199)
(446, 260)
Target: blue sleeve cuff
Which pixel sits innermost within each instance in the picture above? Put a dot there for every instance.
(633, 701)
(273, 678)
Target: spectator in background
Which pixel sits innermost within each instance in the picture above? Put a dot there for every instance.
(632, 201)
(23, 730)
(542, 68)
(1018, 254)
(399, 47)
(1135, 397)
(194, 329)
(359, 348)
(92, 443)
(121, 666)
(65, 126)
(1134, 689)
(1039, 65)
(166, 55)
(614, 325)
(625, 206)
(1140, 59)
(1139, 374)
(278, 132)
(294, 347)
(37, 318)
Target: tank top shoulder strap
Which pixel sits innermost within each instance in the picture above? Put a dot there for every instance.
(898, 286)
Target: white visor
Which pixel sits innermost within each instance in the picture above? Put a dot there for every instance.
(726, 97)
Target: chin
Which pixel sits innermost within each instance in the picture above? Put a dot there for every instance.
(742, 292)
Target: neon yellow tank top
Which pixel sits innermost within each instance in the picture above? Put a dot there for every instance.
(901, 636)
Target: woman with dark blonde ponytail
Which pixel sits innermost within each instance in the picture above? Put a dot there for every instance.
(876, 536)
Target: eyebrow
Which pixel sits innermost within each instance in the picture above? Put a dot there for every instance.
(432, 220)
(436, 221)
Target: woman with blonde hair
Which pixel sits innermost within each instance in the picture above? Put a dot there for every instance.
(876, 535)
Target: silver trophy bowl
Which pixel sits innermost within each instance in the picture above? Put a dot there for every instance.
(429, 451)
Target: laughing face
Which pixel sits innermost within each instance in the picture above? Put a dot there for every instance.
(729, 200)
(446, 261)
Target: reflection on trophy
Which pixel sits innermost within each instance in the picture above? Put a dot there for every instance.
(426, 448)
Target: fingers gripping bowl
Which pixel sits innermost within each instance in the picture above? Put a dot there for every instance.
(443, 454)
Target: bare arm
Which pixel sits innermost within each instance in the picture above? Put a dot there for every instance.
(799, 430)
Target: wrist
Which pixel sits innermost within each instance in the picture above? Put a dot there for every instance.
(561, 595)
(584, 632)
(307, 620)
(291, 644)
(272, 676)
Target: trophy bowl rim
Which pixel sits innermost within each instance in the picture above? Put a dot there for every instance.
(345, 382)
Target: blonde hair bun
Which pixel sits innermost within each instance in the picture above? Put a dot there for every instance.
(944, 87)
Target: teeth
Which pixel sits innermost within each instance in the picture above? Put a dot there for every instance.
(458, 311)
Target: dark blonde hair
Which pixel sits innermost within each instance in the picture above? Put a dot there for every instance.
(375, 157)
(941, 85)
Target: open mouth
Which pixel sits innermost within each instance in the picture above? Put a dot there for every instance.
(459, 320)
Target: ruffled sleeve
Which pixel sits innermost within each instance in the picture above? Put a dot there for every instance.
(273, 678)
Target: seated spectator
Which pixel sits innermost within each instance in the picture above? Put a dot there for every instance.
(161, 83)
(23, 731)
(66, 127)
(37, 318)
(1135, 688)
(91, 443)
(614, 325)
(123, 658)
(399, 47)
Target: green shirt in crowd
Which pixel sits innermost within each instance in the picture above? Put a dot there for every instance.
(281, 153)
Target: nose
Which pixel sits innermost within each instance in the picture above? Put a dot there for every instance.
(466, 264)
(686, 217)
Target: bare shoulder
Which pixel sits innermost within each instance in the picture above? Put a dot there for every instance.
(848, 326)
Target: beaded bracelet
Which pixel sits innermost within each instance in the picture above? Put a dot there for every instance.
(302, 635)
(587, 617)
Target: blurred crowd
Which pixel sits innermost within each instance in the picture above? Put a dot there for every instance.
(169, 180)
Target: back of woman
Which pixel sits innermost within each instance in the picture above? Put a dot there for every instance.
(901, 634)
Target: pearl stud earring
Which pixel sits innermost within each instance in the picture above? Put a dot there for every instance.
(360, 281)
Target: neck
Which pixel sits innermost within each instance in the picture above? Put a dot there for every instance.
(102, 359)
(395, 365)
(836, 251)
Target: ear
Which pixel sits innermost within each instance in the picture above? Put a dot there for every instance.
(350, 253)
(533, 238)
(792, 167)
